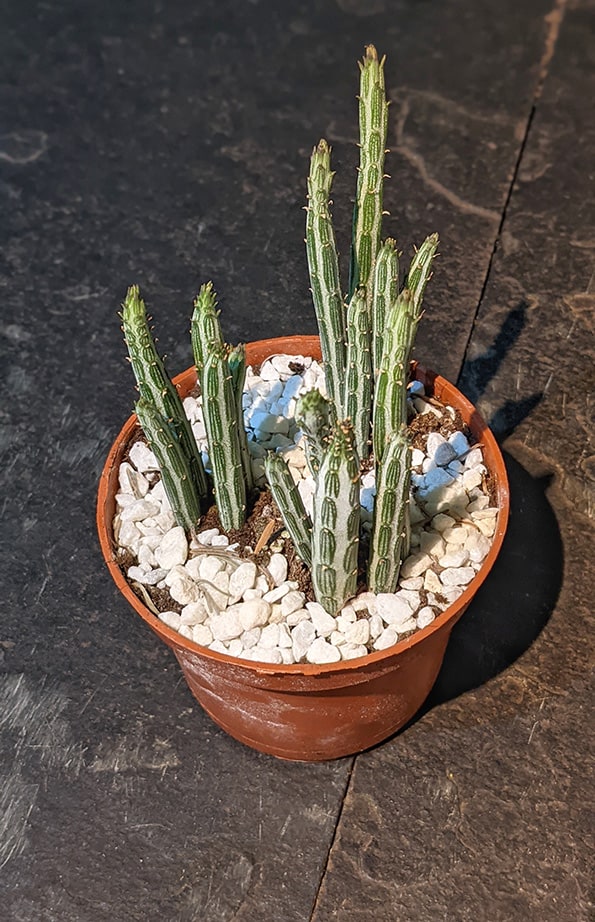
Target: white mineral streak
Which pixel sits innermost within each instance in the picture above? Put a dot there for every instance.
(233, 606)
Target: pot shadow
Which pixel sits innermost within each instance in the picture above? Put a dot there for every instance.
(516, 600)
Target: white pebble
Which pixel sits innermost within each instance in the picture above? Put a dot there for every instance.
(269, 636)
(392, 609)
(181, 587)
(194, 613)
(276, 594)
(227, 625)
(171, 618)
(442, 521)
(202, 635)
(250, 638)
(139, 510)
(324, 623)
(254, 613)
(320, 651)
(209, 567)
(143, 458)
(218, 646)
(478, 546)
(277, 567)
(431, 543)
(173, 550)
(241, 579)
(352, 651)
(220, 541)
(458, 534)
(425, 616)
(388, 638)
(415, 582)
(432, 582)
(359, 632)
(296, 616)
(472, 478)
(291, 602)
(376, 626)
(474, 458)
(415, 565)
(455, 558)
(235, 647)
(302, 636)
(457, 576)
(206, 537)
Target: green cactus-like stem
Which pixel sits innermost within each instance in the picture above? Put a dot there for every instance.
(358, 382)
(154, 384)
(220, 416)
(420, 271)
(336, 522)
(315, 416)
(323, 267)
(173, 463)
(389, 527)
(287, 496)
(205, 329)
(237, 367)
(384, 293)
(373, 121)
(390, 396)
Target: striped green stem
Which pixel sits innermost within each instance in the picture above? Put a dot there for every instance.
(237, 367)
(315, 416)
(205, 329)
(358, 382)
(390, 396)
(389, 527)
(373, 120)
(420, 271)
(220, 416)
(288, 499)
(384, 293)
(336, 522)
(154, 384)
(173, 464)
(323, 266)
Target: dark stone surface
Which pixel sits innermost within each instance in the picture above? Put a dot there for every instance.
(167, 144)
(530, 363)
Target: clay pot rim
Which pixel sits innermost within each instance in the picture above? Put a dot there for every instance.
(307, 345)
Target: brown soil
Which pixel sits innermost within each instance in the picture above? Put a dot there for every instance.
(423, 423)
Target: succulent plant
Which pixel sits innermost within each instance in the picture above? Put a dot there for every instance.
(366, 340)
(221, 371)
(162, 417)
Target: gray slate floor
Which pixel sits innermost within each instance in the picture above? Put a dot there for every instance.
(167, 143)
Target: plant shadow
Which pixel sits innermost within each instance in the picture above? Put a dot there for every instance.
(477, 373)
(514, 604)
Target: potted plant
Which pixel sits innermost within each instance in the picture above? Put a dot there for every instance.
(359, 499)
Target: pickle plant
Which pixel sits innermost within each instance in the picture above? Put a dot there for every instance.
(221, 371)
(366, 340)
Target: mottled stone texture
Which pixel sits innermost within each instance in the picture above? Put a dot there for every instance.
(530, 361)
(165, 144)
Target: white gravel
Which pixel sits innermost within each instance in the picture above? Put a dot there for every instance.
(231, 605)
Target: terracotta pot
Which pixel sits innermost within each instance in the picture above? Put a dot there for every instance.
(309, 712)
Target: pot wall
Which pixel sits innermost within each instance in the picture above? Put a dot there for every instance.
(303, 711)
